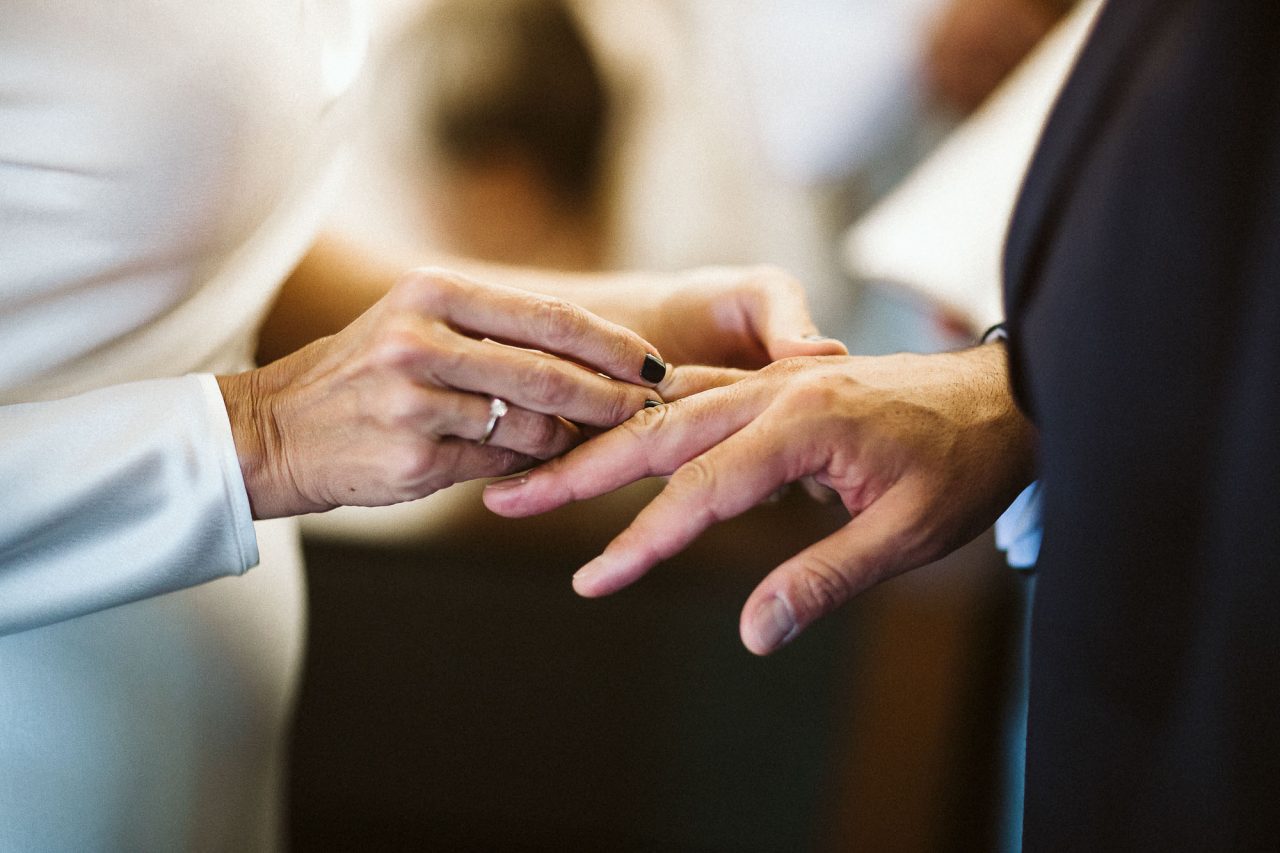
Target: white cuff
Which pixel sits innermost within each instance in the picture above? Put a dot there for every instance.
(115, 495)
(236, 493)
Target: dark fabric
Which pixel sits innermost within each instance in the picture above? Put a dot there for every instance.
(1143, 295)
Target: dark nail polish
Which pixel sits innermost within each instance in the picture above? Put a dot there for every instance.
(653, 370)
(649, 404)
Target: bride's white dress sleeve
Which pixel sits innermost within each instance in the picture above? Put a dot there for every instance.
(116, 495)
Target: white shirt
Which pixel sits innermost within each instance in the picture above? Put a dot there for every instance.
(162, 167)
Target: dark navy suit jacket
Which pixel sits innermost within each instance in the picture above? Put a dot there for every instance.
(1143, 298)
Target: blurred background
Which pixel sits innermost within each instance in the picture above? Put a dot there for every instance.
(457, 695)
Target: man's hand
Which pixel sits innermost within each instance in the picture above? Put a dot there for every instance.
(391, 407)
(924, 451)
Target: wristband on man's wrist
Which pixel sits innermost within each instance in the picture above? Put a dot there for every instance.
(998, 332)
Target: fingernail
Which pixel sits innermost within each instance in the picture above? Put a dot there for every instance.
(509, 483)
(649, 404)
(816, 338)
(773, 624)
(654, 369)
(589, 572)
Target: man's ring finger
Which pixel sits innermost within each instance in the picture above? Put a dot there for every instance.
(497, 408)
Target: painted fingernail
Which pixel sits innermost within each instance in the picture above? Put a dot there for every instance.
(504, 485)
(773, 625)
(654, 369)
(649, 404)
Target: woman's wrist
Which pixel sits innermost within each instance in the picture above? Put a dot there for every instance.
(257, 442)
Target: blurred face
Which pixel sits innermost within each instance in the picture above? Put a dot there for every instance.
(502, 208)
(976, 43)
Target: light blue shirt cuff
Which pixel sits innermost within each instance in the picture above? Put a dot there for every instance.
(1019, 530)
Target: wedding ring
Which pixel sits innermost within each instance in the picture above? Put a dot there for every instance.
(497, 408)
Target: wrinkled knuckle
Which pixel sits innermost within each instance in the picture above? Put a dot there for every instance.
(832, 388)
(697, 475)
(622, 405)
(546, 387)
(823, 586)
(625, 348)
(646, 422)
(819, 396)
(562, 322)
(788, 368)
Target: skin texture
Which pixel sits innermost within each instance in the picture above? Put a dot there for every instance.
(722, 316)
(390, 408)
(743, 317)
(923, 451)
(379, 384)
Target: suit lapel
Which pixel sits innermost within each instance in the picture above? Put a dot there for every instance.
(1083, 105)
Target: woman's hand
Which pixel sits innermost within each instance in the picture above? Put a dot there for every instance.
(741, 317)
(924, 451)
(391, 408)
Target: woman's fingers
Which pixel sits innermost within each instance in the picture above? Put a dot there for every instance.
(464, 460)
(687, 380)
(533, 320)
(533, 380)
(655, 442)
(466, 416)
(780, 314)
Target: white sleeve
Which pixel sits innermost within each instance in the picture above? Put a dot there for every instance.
(116, 495)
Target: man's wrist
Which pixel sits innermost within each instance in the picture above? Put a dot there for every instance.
(998, 332)
(992, 387)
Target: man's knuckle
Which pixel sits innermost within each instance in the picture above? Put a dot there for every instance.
(646, 420)
(825, 586)
(807, 397)
(789, 371)
(697, 476)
